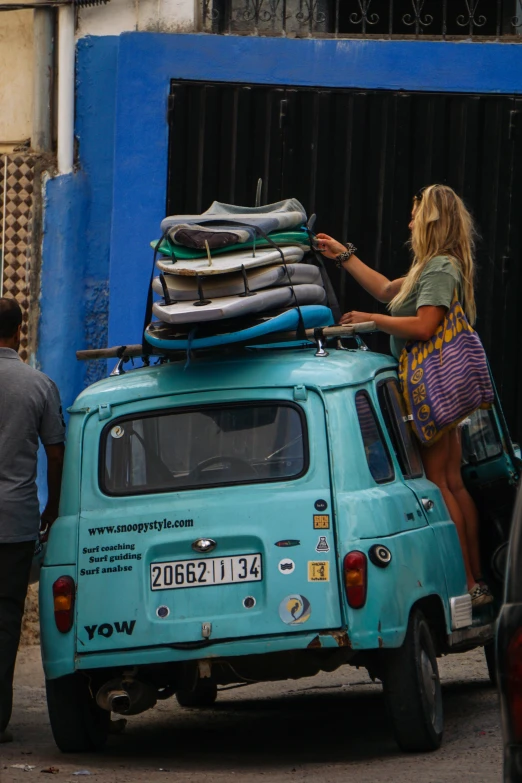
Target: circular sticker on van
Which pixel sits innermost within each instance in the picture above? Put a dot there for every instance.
(295, 609)
(286, 566)
(117, 431)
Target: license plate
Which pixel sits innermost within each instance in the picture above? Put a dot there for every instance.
(206, 572)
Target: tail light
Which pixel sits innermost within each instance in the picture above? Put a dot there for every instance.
(514, 684)
(63, 596)
(355, 568)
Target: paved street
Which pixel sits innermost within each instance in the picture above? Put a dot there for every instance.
(330, 728)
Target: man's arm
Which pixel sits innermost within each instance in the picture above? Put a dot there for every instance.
(54, 454)
(52, 436)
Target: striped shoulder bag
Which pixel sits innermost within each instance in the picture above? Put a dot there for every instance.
(445, 378)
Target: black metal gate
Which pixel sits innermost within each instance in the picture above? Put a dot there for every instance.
(446, 19)
(355, 158)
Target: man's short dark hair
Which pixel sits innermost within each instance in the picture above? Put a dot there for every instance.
(10, 317)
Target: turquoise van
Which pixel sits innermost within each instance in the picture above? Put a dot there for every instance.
(259, 514)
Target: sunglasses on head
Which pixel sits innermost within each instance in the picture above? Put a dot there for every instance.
(418, 196)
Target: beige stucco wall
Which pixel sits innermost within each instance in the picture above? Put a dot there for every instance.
(16, 50)
(118, 16)
(16, 77)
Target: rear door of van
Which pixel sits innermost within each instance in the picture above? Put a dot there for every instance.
(206, 520)
(491, 471)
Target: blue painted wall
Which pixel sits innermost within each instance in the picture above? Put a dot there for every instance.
(123, 84)
(74, 297)
(96, 98)
(63, 310)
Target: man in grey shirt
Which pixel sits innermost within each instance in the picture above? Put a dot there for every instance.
(30, 411)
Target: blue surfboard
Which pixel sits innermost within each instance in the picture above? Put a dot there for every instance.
(157, 334)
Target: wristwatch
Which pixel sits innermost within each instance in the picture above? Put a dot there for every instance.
(350, 250)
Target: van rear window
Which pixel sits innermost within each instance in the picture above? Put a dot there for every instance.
(191, 448)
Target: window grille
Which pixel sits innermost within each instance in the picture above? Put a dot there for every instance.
(429, 19)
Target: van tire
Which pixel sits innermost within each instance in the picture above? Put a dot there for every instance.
(77, 723)
(412, 688)
(203, 695)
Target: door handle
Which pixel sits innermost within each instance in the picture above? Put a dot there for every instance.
(427, 503)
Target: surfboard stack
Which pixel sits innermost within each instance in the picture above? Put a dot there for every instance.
(234, 263)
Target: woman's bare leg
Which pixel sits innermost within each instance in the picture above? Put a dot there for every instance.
(465, 501)
(435, 459)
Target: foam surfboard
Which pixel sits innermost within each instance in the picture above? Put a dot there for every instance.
(167, 338)
(232, 262)
(299, 238)
(220, 217)
(182, 288)
(200, 311)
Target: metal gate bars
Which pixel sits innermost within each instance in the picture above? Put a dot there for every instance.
(356, 158)
(492, 19)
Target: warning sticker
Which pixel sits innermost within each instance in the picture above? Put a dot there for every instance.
(318, 571)
(322, 545)
(321, 521)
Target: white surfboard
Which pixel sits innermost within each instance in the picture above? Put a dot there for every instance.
(231, 262)
(233, 306)
(182, 288)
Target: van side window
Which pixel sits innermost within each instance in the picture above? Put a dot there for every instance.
(377, 456)
(401, 436)
(480, 438)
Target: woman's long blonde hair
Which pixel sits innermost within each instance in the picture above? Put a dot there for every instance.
(442, 226)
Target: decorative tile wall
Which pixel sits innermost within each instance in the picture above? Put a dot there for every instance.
(16, 214)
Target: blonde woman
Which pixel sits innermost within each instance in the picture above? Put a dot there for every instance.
(442, 243)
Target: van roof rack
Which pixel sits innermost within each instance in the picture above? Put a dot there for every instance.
(318, 336)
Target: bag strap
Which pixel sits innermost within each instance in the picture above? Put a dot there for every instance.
(333, 302)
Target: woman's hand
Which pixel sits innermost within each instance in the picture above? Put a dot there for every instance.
(328, 246)
(411, 327)
(355, 317)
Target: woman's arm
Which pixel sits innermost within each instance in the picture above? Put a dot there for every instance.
(376, 284)
(416, 327)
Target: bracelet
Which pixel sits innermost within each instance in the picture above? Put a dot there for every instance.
(350, 250)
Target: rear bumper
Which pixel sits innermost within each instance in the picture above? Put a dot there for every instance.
(467, 638)
(59, 666)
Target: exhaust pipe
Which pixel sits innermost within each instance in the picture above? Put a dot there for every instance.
(119, 701)
(126, 696)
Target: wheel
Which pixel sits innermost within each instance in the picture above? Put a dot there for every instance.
(412, 689)
(203, 695)
(491, 661)
(77, 723)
